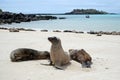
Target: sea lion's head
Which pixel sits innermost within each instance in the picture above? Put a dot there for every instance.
(54, 40)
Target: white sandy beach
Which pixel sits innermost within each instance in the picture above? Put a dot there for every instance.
(105, 51)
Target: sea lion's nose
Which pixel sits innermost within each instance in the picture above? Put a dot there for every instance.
(49, 38)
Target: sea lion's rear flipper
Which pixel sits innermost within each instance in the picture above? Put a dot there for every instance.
(59, 67)
(45, 64)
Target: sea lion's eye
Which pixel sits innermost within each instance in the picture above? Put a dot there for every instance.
(55, 38)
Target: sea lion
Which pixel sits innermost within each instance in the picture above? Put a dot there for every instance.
(25, 54)
(58, 57)
(81, 56)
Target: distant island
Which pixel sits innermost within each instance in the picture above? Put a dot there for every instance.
(86, 11)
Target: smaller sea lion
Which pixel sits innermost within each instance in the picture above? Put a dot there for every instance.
(82, 57)
(25, 54)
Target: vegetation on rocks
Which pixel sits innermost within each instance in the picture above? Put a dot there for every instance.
(86, 11)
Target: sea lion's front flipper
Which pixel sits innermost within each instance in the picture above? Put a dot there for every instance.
(86, 64)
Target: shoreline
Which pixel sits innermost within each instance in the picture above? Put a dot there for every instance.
(98, 33)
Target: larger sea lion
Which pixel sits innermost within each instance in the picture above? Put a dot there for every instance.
(81, 56)
(58, 57)
(25, 54)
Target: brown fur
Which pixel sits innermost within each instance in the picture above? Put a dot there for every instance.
(58, 57)
(81, 56)
(25, 54)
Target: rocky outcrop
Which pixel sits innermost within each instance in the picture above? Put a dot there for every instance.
(67, 31)
(56, 31)
(8, 17)
(3, 28)
(73, 31)
(62, 17)
(44, 30)
(99, 33)
(16, 29)
(13, 30)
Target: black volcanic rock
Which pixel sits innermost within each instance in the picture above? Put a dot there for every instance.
(44, 30)
(62, 17)
(67, 31)
(8, 17)
(0, 11)
(98, 33)
(56, 31)
(13, 30)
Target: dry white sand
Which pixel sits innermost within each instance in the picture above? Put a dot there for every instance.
(105, 51)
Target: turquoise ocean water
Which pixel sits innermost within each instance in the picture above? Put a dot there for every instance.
(75, 22)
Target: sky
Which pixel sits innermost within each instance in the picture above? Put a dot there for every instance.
(58, 6)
